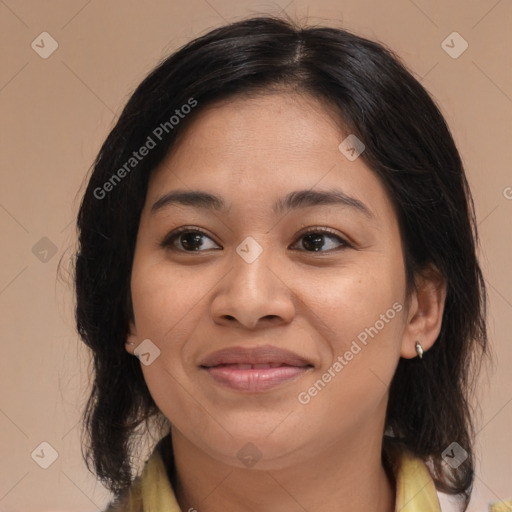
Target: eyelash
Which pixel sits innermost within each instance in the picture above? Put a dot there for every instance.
(167, 242)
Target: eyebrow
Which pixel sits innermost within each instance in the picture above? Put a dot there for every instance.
(293, 200)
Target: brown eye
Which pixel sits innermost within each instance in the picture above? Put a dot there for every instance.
(321, 240)
(188, 240)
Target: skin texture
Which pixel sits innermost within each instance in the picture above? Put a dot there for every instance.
(323, 455)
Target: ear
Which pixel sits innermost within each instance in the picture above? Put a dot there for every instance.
(425, 312)
(131, 338)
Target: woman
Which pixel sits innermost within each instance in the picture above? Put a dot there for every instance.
(277, 270)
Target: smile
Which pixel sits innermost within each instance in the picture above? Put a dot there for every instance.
(254, 378)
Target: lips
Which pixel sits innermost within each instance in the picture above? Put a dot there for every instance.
(242, 366)
(254, 370)
(270, 356)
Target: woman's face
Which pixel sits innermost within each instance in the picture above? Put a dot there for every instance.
(284, 264)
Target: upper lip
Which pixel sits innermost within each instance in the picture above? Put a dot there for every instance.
(259, 355)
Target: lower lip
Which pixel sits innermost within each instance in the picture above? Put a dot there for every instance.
(254, 380)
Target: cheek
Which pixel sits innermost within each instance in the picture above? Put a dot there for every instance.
(343, 302)
(165, 300)
(358, 318)
(168, 307)
(362, 351)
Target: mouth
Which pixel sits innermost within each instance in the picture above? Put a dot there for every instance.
(254, 370)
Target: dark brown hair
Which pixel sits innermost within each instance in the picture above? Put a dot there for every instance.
(408, 146)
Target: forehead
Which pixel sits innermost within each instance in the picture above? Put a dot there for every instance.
(268, 145)
(267, 122)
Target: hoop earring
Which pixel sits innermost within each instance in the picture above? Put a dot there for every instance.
(419, 350)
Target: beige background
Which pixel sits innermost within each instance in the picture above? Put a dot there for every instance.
(57, 111)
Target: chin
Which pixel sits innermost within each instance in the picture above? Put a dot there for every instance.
(258, 450)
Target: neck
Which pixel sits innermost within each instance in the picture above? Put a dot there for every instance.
(348, 477)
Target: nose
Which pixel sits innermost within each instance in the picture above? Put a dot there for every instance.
(254, 294)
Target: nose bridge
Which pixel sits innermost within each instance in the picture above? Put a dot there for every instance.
(253, 291)
(251, 275)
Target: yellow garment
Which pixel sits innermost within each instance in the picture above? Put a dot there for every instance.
(152, 491)
(415, 489)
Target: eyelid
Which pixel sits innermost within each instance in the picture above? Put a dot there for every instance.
(167, 241)
(325, 231)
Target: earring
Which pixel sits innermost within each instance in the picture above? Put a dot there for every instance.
(130, 343)
(419, 350)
